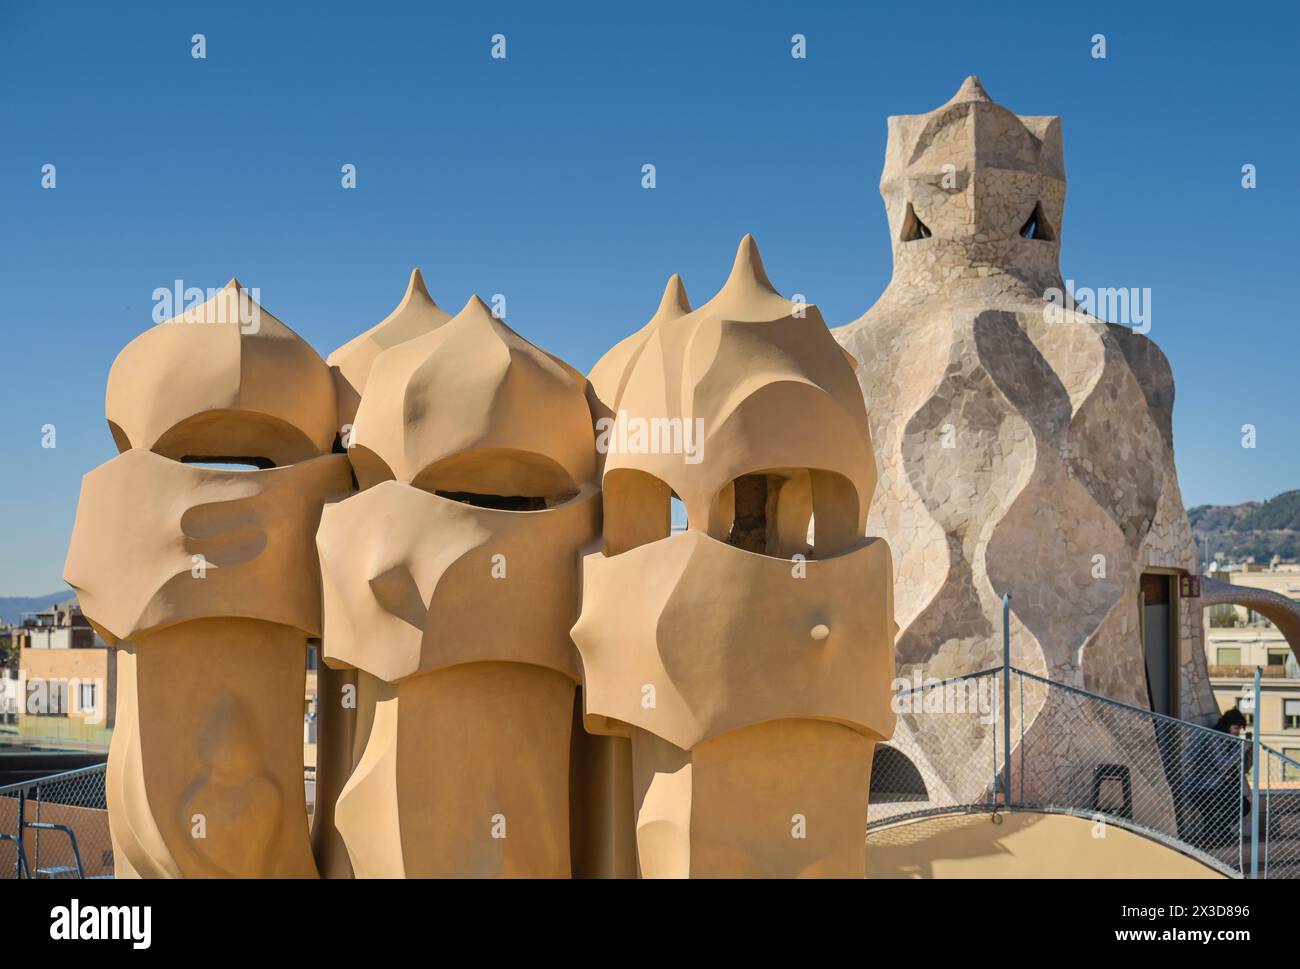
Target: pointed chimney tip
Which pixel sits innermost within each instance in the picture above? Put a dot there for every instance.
(971, 90)
(475, 304)
(747, 271)
(416, 285)
(675, 302)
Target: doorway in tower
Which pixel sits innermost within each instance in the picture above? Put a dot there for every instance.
(1159, 612)
(1158, 605)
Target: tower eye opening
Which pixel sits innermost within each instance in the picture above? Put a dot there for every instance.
(749, 526)
(782, 512)
(1037, 227)
(229, 462)
(497, 502)
(639, 509)
(914, 228)
(500, 479)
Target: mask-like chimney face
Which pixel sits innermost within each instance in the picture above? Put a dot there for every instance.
(745, 404)
(207, 581)
(972, 189)
(222, 382)
(452, 579)
(516, 424)
(749, 657)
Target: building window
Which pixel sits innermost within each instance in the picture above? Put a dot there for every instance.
(1289, 771)
(1291, 714)
(1277, 657)
(88, 698)
(1229, 655)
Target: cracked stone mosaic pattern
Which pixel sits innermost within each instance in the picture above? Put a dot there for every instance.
(1022, 447)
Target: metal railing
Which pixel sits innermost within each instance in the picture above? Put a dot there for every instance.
(63, 820)
(56, 827)
(1191, 787)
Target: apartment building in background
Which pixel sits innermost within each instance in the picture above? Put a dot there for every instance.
(1238, 639)
(67, 677)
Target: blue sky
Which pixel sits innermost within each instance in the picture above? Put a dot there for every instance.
(523, 176)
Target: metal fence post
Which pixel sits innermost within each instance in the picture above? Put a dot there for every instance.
(1006, 698)
(22, 822)
(1254, 800)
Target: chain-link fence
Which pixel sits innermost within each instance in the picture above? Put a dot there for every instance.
(56, 827)
(1186, 785)
(1279, 804)
(945, 752)
(63, 820)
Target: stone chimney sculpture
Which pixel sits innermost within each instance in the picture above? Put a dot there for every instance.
(1025, 445)
(207, 582)
(346, 697)
(748, 658)
(452, 580)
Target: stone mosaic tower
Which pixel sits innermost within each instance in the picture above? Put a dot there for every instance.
(1023, 448)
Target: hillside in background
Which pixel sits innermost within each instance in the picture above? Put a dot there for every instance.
(1259, 528)
(12, 607)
